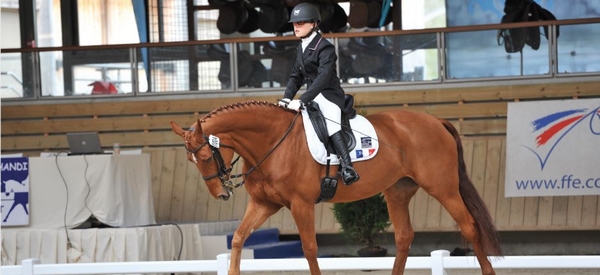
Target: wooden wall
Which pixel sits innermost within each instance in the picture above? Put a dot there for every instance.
(478, 111)
(180, 196)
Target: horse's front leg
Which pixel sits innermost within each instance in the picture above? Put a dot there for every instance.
(304, 216)
(254, 217)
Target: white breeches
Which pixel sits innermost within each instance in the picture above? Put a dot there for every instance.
(332, 114)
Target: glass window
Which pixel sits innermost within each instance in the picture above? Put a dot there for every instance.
(578, 50)
(477, 55)
(12, 76)
(106, 22)
(381, 59)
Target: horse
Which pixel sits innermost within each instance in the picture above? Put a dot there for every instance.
(15, 191)
(419, 151)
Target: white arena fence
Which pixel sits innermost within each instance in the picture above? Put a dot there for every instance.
(439, 263)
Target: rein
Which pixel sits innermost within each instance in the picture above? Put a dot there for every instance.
(222, 170)
(245, 175)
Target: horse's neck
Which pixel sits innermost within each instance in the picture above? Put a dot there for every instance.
(254, 129)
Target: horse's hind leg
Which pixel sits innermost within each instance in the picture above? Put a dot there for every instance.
(255, 215)
(451, 199)
(398, 197)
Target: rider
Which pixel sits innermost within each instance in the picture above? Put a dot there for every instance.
(318, 71)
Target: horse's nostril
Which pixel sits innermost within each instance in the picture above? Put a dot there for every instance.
(224, 197)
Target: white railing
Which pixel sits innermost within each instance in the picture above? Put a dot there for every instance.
(439, 263)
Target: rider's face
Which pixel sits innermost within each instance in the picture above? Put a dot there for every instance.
(302, 28)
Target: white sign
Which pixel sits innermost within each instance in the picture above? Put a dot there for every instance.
(15, 191)
(553, 148)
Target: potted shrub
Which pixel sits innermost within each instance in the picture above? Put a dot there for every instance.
(362, 221)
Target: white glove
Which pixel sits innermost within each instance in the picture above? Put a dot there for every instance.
(284, 102)
(295, 105)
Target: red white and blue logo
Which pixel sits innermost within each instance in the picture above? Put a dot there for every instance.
(552, 148)
(552, 129)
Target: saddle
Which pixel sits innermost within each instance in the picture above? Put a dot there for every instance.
(251, 73)
(523, 11)
(283, 54)
(371, 59)
(367, 13)
(273, 15)
(318, 121)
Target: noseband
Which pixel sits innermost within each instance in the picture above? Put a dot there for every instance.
(223, 172)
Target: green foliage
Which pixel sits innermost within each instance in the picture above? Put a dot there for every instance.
(362, 220)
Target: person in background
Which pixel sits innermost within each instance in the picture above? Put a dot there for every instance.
(316, 67)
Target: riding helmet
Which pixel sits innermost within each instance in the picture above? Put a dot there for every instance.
(305, 12)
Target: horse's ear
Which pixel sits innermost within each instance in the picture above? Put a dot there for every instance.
(176, 128)
(198, 130)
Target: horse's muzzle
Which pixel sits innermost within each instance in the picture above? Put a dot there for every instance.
(224, 197)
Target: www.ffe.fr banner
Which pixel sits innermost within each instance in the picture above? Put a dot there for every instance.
(553, 148)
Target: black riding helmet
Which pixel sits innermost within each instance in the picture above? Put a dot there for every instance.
(305, 12)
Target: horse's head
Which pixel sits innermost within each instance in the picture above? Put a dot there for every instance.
(211, 154)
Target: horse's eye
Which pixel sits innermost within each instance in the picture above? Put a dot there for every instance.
(207, 160)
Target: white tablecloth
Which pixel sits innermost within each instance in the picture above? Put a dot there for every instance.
(152, 243)
(116, 189)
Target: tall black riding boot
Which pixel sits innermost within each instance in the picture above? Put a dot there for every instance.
(349, 175)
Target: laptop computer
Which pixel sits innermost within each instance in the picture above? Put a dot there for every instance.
(84, 143)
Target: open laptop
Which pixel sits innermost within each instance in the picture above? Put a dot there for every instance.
(84, 143)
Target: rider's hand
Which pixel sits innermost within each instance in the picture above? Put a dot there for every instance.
(284, 102)
(295, 105)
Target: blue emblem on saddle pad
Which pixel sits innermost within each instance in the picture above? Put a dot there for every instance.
(359, 154)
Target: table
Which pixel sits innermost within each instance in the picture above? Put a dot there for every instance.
(116, 189)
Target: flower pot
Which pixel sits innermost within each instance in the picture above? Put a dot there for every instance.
(375, 251)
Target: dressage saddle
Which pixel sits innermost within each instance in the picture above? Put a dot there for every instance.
(319, 123)
(523, 11)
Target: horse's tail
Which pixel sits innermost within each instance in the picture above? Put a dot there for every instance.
(483, 220)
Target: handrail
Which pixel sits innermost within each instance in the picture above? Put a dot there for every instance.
(387, 75)
(327, 35)
(440, 262)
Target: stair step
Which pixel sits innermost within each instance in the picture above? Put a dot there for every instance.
(287, 249)
(259, 236)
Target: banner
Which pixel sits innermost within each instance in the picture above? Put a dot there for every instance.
(553, 148)
(15, 191)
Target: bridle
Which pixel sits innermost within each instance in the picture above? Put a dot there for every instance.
(224, 172)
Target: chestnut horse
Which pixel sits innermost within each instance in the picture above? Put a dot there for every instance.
(416, 150)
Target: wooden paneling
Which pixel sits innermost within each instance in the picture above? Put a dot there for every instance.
(181, 196)
(474, 111)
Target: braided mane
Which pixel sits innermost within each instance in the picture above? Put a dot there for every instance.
(238, 105)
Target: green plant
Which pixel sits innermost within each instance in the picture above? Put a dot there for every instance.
(362, 220)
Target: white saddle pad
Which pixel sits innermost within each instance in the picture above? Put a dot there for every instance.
(364, 133)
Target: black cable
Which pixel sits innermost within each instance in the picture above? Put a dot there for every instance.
(67, 199)
(181, 237)
(161, 224)
(88, 185)
(85, 203)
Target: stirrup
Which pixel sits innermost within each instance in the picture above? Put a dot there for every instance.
(349, 176)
